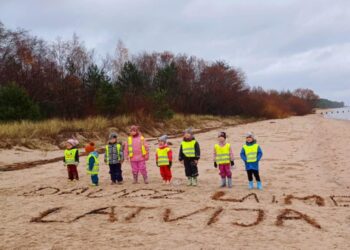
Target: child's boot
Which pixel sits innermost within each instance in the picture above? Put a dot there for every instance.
(223, 182)
(194, 181)
(251, 185)
(189, 182)
(145, 179)
(258, 185)
(135, 179)
(229, 182)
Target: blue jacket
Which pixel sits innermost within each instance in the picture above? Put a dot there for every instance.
(92, 160)
(251, 165)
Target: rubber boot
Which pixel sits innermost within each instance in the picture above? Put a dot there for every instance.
(229, 182)
(258, 185)
(189, 182)
(145, 179)
(194, 181)
(251, 185)
(135, 179)
(223, 182)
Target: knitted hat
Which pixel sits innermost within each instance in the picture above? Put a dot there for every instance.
(113, 135)
(222, 134)
(250, 134)
(163, 138)
(134, 128)
(188, 131)
(73, 142)
(90, 147)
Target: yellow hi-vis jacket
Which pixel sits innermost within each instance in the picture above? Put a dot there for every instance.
(118, 152)
(188, 148)
(130, 149)
(162, 154)
(96, 168)
(69, 156)
(222, 154)
(251, 152)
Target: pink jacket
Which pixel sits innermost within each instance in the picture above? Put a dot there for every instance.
(231, 151)
(137, 151)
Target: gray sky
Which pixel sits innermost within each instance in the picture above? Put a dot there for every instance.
(279, 44)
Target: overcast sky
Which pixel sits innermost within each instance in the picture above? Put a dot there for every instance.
(279, 44)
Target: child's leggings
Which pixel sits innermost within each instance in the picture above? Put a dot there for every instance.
(94, 179)
(252, 172)
(139, 166)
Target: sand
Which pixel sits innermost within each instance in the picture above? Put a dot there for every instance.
(304, 205)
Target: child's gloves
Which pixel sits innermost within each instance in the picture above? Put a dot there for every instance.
(232, 163)
(215, 164)
(170, 164)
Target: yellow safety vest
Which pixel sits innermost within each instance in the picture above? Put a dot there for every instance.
(130, 149)
(69, 156)
(118, 152)
(162, 154)
(188, 148)
(251, 152)
(95, 168)
(222, 154)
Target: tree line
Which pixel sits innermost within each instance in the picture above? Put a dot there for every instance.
(65, 79)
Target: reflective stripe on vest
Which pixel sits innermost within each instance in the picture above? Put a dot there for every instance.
(69, 156)
(95, 168)
(118, 152)
(162, 154)
(251, 152)
(130, 149)
(188, 148)
(222, 154)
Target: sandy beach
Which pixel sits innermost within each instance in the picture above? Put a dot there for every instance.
(305, 203)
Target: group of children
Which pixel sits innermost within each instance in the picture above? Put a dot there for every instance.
(136, 150)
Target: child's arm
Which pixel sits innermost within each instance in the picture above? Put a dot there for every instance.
(91, 163)
(157, 158)
(121, 153)
(77, 157)
(243, 156)
(181, 154)
(260, 153)
(170, 157)
(197, 151)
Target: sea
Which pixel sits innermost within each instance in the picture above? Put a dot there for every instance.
(339, 113)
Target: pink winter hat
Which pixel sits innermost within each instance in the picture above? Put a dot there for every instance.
(73, 142)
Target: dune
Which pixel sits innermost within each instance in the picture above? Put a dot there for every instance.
(305, 203)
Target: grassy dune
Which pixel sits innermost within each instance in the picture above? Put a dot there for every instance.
(53, 132)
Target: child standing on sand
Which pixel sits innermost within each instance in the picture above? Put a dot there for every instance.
(251, 155)
(223, 158)
(71, 159)
(164, 158)
(114, 157)
(92, 163)
(189, 155)
(137, 151)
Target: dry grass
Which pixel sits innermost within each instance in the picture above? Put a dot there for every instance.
(30, 134)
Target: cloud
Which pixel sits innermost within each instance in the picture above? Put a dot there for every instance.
(279, 44)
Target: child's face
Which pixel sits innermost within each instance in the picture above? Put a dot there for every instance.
(133, 132)
(187, 136)
(249, 139)
(113, 140)
(161, 143)
(221, 139)
(69, 146)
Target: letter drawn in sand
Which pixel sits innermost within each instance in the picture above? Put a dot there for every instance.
(42, 215)
(218, 197)
(167, 213)
(318, 199)
(259, 218)
(341, 200)
(290, 214)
